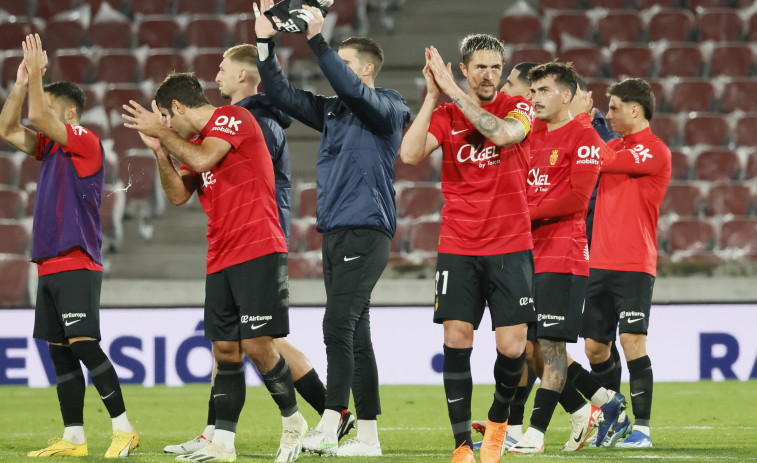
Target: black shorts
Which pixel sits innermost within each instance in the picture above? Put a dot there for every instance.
(617, 301)
(464, 284)
(559, 300)
(68, 306)
(248, 300)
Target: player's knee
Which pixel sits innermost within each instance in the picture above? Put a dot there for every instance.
(596, 352)
(634, 345)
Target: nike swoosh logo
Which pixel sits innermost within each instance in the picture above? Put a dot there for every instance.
(254, 327)
(351, 258)
(638, 393)
(218, 395)
(325, 446)
(455, 132)
(68, 323)
(634, 320)
(112, 392)
(550, 324)
(451, 401)
(580, 436)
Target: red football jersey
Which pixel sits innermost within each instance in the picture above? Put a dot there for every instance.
(560, 245)
(238, 193)
(484, 186)
(633, 182)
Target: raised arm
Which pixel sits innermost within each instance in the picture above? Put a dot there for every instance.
(11, 129)
(636, 162)
(40, 113)
(418, 143)
(501, 132)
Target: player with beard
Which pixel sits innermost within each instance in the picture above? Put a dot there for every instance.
(485, 246)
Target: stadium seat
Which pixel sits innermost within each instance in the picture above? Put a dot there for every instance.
(520, 29)
(697, 5)
(117, 95)
(691, 236)
(683, 199)
(620, 26)
(729, 198)
(31, 194)
(300, 49)
(739, 236)
(752, 28)
(244, 29)
(150, 7)
(417, 173)
(111, 34)
(15, 270)
(125, 139)
(745, 132)
(12, 202)
(660, 90)
(297, 229)
(17, 7)
(62, 33)
(732, 59)
(573, 23)
(751, 165)
(692, 95)
(598, 88)
(740, 94)
(667, 128)
(647, 4)
(46, 9)
(719, 24)
(207, 31)
(10, 65)
(683, 60)
(424, 235)
(401, 240)
(111, 217)
(301, 266)
(9, 169)
(346, 11)
(160, 63)
(72, 66)
(158, 31)
(681, 167)
(717, 164)
(17, 238)
(197, 6)
(205, 63)
(138, 173)
(588, 61)
(313, 237)
(308, 201)
(608, 4)
(238, 7)
(214, 95)
(673, 25)
(119, 67)
(632, 61)
(13, 33)
(530, 54)
(30, 168)
(557, 4)
(419, 199)
(706, 129)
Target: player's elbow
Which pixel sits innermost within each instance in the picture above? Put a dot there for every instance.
(177, 199)
(410, 157)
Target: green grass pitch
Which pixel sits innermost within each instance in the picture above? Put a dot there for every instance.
(691, 422)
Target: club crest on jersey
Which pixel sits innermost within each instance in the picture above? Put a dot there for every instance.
(553, 158)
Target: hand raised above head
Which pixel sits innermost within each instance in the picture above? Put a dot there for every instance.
(263, 27)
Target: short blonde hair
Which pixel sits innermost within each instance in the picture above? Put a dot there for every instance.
(245, 54)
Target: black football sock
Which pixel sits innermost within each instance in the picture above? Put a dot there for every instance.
(311, 389)
(545, 402)
(70, 385)
(615, 385)
(229, 394)
(640, 371)
(211, 408)
(570, 399)
(518, 405)
(279, 384)
(586, 383)
(507, 373)
(458, 387)
(103, 374)
(605, 373)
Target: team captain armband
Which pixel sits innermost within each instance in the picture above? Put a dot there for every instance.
(520, 117)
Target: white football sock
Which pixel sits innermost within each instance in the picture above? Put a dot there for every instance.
(208, 432)
(329, 423)
(367, 431)
(601, 397)
(122, 422)
(224, 439)
(74, 434)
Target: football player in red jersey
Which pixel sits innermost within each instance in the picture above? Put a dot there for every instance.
(635, 175)
(485, 247)
(246, 302)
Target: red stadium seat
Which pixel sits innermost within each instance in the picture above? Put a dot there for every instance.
(717, 164)
(752, 28)
(31, 194)
(691, 236)
(684, 60)
(401, 240)
(557, 4)
(46, 9)
(667, 128)
(9, 169)
(15, 270)
(301, 266)
(608, 4)
(244, 29)
(696, 5)
(13, 33)
(206, 62)
(16, 237)
(308, 201)
(683, 199)
(111, 216)
(751, 165)
(238, 6)
(160, 63)
(673, 25)
(729, 198)
(692, 95)
(300, 49)
(419, 199)
(519, 29)
(152, 6)
(598, 89)
(417, 173)
(118, 95)
(138, 172)
(346, 11)
(530, 54)
(297, 229)
(214, 95)
(740, 235)
(572, 23)
(119, 67)
(720, 25)
(63, 34)
(424, 235)
(740, 94)
(632, 61)
(589, 61)
(10, 65)
(207, 31)
(746, 130)
(72, 66)
(125, 139)
(12, 202)
(732, 59)
(197, 6)
(158, 31)
(659, 88)
(313, 237)
(681, 165)
(111, 34)
(706, 129)
(30, 168)
(620, 26)
(646, 4)
(17, 7)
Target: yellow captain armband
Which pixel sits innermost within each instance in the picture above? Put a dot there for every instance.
(520, 117)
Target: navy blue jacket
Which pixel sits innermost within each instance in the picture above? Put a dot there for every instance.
(362, 130)
(272, 122)
(606, 134)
